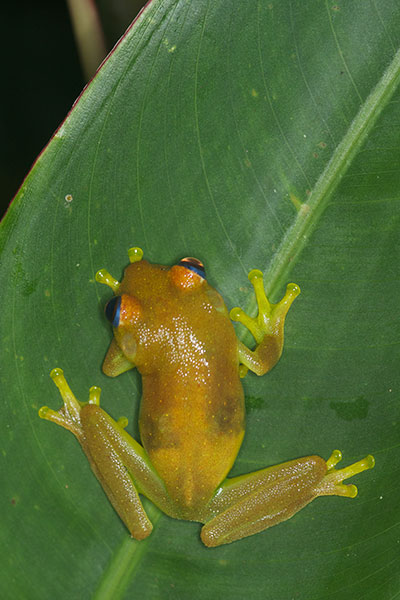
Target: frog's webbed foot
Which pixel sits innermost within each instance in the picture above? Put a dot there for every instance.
(69, 415)
(266, 328)
(331, 484)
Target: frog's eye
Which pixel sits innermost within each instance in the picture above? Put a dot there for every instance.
(113, 310)
(193, 264)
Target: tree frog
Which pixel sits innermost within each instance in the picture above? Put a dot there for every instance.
(175, 329)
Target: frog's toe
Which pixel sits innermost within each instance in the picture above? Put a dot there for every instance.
(332, 483)
(68, 416)
(135, 254)
(103, 276)
(271, 317)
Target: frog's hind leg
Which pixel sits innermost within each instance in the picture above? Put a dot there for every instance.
(112, 453)
(251, 503)
(102, 449)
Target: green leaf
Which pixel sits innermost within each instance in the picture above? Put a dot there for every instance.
(261, 135)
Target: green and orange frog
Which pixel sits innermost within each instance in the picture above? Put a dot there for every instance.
(175, 329)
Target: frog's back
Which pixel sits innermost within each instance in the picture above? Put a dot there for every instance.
(192, 411)
(192, 428)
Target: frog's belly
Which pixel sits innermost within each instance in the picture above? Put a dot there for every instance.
(192, 434)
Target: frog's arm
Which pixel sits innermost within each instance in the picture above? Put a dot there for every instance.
(119, 462)
(115, 362)
(266, 328)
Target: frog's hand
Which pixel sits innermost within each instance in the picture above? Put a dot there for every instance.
(266, 328)
(251, 503)
(115, 361)
(100, 437)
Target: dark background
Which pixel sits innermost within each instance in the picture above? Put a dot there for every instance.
(42, 78)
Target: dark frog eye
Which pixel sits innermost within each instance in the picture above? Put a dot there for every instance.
(112, 310)
(193, 264)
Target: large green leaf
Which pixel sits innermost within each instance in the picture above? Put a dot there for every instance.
(249, 134)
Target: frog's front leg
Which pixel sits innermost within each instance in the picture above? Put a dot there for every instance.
(251, 503)
(120, 464)
(266, 328)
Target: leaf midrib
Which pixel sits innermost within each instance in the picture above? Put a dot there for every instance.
(311, 211)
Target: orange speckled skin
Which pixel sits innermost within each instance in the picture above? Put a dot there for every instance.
(175, 328)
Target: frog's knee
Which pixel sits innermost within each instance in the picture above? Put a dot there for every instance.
(94, 418)
(91, 413)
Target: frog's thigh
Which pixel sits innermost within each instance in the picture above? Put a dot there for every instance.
(101, 444)
(251, 503)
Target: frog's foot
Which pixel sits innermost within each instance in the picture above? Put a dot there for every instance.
(266, 327)
(331, 484)
(69, 415)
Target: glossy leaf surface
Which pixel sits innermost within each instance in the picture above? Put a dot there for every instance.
(262, 136)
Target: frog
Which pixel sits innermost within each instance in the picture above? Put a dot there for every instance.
(173, 327)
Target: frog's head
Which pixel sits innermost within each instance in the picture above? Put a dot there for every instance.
(146, 301)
